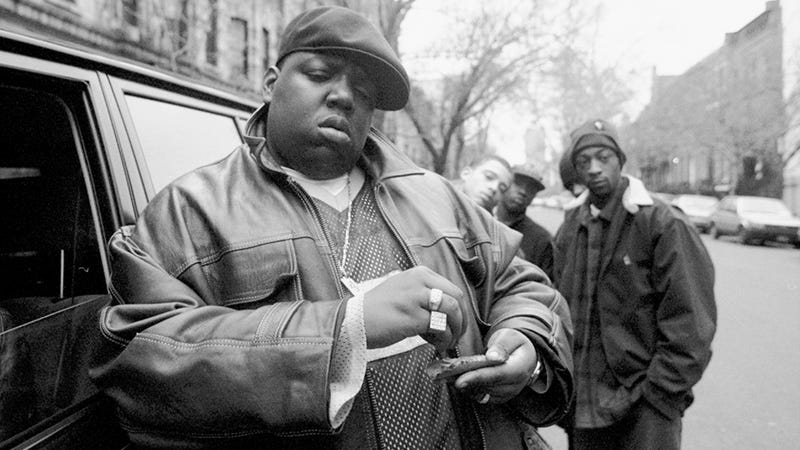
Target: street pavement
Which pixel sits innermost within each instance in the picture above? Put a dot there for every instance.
(749, 397)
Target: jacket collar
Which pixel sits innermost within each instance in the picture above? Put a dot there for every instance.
(635, 195)
(380, 158)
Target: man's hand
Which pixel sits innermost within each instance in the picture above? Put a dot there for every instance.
(505, 381)
(398, 308)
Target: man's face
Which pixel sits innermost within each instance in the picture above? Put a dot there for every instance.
(485, 182)
(600, 170)
(519, 195)
(320, 109)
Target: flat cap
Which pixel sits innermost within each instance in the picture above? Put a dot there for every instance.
(530, 171)
(338, 30)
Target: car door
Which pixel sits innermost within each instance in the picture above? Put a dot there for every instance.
(58, 208)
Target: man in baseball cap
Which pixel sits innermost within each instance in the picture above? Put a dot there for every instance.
(537, 242)
(294, 294)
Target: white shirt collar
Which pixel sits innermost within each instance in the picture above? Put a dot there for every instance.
(333, 191)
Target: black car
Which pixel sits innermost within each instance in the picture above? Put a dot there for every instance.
(86, 141)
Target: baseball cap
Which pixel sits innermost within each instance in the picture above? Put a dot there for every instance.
(530, 171)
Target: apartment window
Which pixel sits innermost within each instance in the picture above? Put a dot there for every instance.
(265, 38)
(130, 12)
(211, 37)
(239, 45)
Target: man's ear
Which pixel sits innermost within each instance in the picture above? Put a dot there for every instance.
(465, 172)
(270, 77)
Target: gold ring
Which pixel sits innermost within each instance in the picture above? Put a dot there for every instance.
(485, 399)
(438, 321)
(434, 299)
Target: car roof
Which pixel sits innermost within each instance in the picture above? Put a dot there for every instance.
(77, 55)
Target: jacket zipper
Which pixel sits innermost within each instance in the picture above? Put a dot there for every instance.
(373, 407)
(314, 212)
(392, 226)
(414, 262)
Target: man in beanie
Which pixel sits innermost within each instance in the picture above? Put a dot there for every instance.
(640, 285)
(537, 242)
(293, 294)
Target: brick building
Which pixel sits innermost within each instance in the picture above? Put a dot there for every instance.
(225, 43)
(717, 127)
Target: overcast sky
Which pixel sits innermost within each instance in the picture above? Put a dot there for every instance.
(671, 35)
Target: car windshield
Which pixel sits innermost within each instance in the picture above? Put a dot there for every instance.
(769, 206)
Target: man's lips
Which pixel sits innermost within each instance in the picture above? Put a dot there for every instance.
(335, 128)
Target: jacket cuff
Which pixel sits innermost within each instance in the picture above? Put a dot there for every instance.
(670, 405)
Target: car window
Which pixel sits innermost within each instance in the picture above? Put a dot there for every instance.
(762, 205)
(191, 137)
(53, 279)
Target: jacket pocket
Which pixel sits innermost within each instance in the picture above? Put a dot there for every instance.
(469, 259)
(260, 272)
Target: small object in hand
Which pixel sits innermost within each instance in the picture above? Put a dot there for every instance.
(485, 399)
(434, 299)
(450, 368)
(438, 321)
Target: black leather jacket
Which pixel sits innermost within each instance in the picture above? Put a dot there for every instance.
(227, 303)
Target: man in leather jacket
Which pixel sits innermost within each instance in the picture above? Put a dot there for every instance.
(293, 294)
(640, 285)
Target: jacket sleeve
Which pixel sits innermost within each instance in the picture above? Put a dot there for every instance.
(524, 299)
(686, 316)
(178, 364)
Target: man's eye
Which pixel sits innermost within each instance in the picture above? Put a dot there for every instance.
(318, 75)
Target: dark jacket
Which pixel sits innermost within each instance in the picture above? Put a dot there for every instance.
(537, 243)
(655, 294)
(228, 302)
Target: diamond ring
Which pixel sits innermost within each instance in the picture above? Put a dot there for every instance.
(434, 299)
(438, 321)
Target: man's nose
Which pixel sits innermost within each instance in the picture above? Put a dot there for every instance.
(595, 166)
(341, 93)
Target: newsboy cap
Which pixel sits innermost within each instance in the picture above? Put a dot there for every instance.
(530, 172)
(338, 30)
(595, 133)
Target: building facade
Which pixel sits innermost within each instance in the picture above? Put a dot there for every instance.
(228, 44)
(717, 127)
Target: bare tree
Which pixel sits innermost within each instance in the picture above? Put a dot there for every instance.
(499, 48)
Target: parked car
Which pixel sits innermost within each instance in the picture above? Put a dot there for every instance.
(698, 209)
(755, 219)
(663, 196)
(86, 142)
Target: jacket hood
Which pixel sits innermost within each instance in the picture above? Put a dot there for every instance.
(380, 158)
